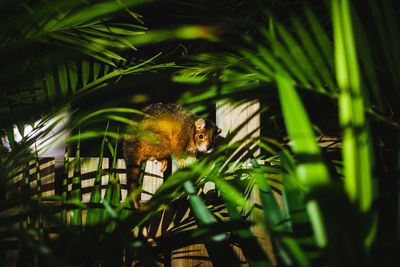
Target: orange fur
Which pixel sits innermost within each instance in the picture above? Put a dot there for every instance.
(168, 129)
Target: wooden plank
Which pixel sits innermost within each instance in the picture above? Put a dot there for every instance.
(121, 166)
(88, 169)
(12, 212)
(47, 176)
(88, 175)
(229, 117)
(193, 255)
(246, 116)
(152, 180)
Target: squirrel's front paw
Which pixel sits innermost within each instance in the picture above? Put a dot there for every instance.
(164, 165)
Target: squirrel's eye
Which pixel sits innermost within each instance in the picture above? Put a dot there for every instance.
(201, 137)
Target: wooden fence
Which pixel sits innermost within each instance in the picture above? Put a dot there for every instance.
(228, 117)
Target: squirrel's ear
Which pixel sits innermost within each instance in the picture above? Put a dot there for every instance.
(200, 124)
(219, 130)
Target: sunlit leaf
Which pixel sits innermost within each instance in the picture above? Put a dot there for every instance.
(356, 137)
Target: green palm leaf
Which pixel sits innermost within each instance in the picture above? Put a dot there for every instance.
(356, 137)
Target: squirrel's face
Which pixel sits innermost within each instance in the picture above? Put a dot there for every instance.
(205, 136)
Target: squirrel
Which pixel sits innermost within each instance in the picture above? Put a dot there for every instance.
(165, 129)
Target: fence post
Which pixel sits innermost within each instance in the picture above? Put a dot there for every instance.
(152, 180)
(229, 116)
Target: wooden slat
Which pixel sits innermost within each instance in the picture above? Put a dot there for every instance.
(229, 117)
(12, 210)
(152, 180)
(121, 166)
(47, 174)
(193, 255)
(88, 175)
